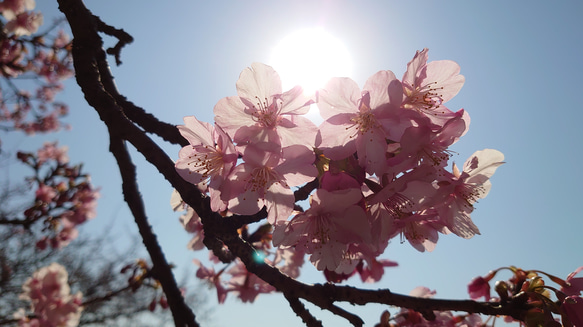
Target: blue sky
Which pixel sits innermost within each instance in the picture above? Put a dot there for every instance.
(521, 61)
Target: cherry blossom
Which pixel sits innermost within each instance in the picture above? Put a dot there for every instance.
(51, 300)
(262, 113)
(265, 178)
(246, 285)
(379, 161)
(427, 143)
(190, 220)
(463, 189)
(209, 158)
(333, 221)
(213, 277)
(358, 121)
(45, 193)
(65, 197)
(374, 270)
(22, 109)
(479, 287)
(427, 86)
(573, 285)
(11, 8)
(25, 23)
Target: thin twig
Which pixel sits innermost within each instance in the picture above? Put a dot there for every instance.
(300, 310)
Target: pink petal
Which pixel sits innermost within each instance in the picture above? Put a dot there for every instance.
(378, 87)
(197, 132)
(446, 74)
(295, 102)
(279, 201)
(258, 81)
(340, 95)
(415, 66)
(230, 114)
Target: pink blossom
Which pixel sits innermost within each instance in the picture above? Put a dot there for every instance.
(214, 278)
(325, 230)
(65, 236)
(358, 121)
(51, 67)
(11, 54)
(51, 299)
(292, 259)
(374, 270)
(190, 221)
(62, 40)
(262, 113)
(265, 178)
(427, 86)
(401, 207)
(427, 143)
(479, 287)
(247, 285)
(49, 151)
(420, 230)
(84, 206)
(11, 8)
(25, 23)
(209, 158)
(574, 284)
(463, 189)
(45, 193)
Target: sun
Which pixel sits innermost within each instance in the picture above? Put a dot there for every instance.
(310, 57)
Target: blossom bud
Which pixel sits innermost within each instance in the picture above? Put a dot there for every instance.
(479, 287)
(152, 305)
(501, 289)
(163, 302)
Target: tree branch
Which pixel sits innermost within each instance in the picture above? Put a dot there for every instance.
(300, 310)
(89, 61)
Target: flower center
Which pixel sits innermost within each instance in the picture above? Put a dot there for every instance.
(364, 121)
(267, 115)
(411, 233)
(436, 154)
(470, 193)
(321, 227)
(427, 97)
(398, 206)
(261, 178)
(206, 161)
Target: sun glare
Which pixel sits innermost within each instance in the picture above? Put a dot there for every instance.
(309, 58)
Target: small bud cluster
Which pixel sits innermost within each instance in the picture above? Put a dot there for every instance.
(24, 56)
(64, 196)
(528, 289)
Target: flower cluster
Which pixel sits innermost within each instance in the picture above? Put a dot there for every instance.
(43, 57)
(236, 279)
(51, 301)
(20, 20)
(64, 196)
(378, 164)
(528, 288)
